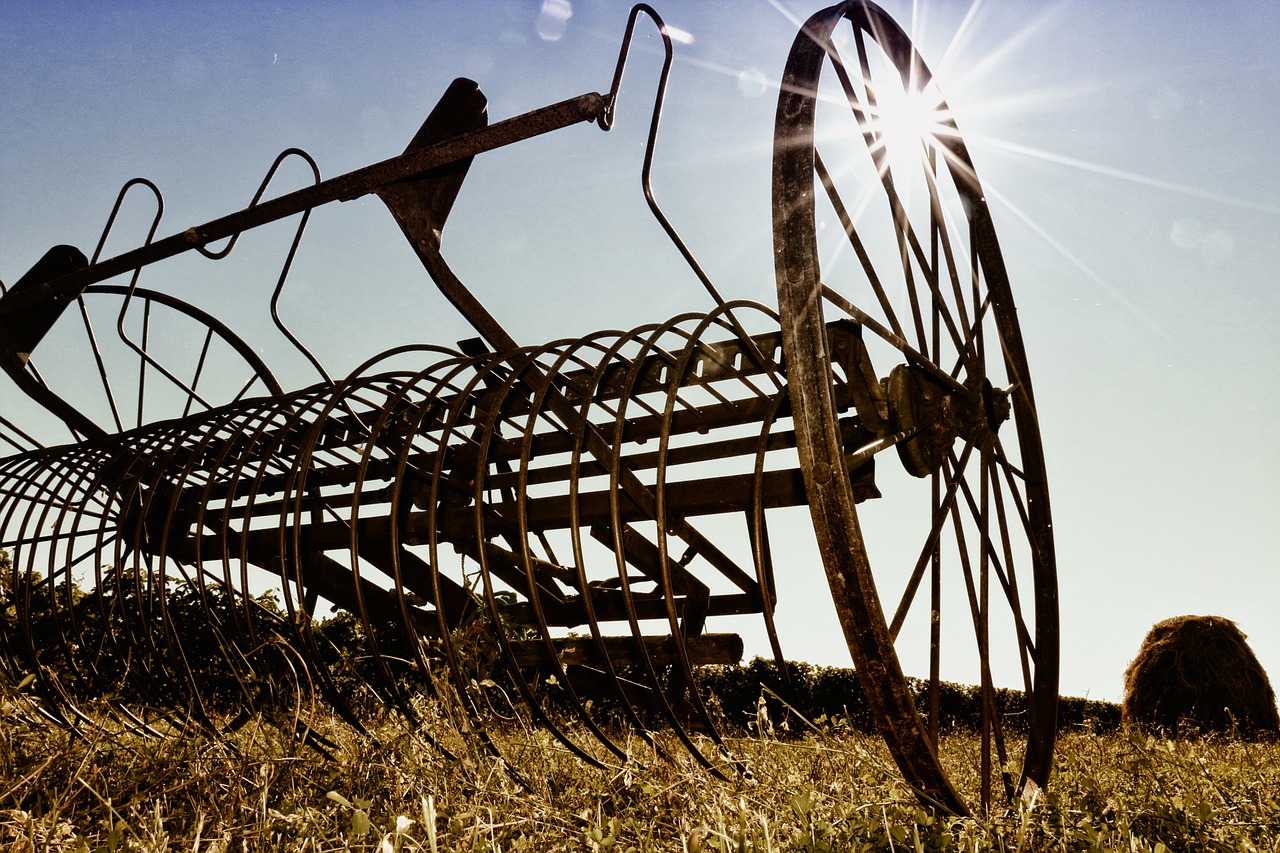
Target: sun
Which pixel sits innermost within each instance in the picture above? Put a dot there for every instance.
(908, 122)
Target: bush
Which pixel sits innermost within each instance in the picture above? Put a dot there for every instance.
(835, 693)
(116, 641)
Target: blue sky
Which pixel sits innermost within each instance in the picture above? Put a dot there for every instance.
(1127, 149)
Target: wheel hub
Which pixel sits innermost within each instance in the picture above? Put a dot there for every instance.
(937, 416)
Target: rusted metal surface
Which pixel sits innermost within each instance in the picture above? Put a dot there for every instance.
(508, 517)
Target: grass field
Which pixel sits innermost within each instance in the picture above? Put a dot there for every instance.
(258, 789)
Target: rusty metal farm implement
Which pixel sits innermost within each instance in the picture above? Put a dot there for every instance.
(593, 505)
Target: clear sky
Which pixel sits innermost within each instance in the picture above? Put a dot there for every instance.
(1128, 151)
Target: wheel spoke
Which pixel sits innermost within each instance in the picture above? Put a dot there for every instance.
(980, 300)
(1005, 574)
(941, 234)
(974, 336)
(908, 239)
(102, 368)
(875, 146)
(983, 627)
(1019, 501)
(147, 359)
(1011, 471)
(992, 732)
(856, 242)
(930, 549)
(142, 365)
(935, 616)
(909, 245)
(195, 379)
(912, 355)
(1009, 580)
(976, 608)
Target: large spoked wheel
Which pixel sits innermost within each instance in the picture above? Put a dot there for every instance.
(950, 576)
(141, 356)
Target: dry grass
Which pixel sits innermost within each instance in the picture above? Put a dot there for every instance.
(258, 789)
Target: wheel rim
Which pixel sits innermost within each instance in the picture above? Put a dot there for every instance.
(941, 332)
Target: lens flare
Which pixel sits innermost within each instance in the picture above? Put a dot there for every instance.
(908, 122)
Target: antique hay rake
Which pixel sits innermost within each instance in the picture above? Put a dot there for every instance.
(579, 505)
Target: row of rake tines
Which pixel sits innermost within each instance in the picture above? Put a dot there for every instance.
(139, 608)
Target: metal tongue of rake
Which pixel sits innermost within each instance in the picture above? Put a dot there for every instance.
(565, 514)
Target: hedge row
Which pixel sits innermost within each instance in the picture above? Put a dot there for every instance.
(794, 698)
(827, 695)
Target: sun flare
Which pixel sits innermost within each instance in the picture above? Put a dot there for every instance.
(908, 123)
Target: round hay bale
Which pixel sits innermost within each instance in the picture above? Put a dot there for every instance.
(1197, 674)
